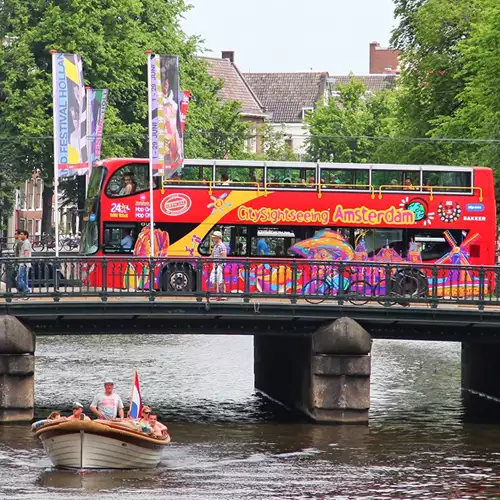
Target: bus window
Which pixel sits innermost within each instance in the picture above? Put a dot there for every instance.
(347, 178)
(239, 176)
(272, 242)
(432, 244)
(129, 179)
(297, 177)
(376, 239)
(120, 237)
(396, 180)
(198, 173)
(455, 181)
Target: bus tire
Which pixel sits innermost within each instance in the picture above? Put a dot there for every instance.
(178, 278)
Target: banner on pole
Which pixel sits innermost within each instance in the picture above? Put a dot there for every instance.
(185, 96)
(70, 116)
(97, 101)
(166, 125)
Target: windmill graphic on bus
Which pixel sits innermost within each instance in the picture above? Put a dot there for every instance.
(459, 278)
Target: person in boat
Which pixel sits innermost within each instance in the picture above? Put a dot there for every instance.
(159, 430)
(107, 405)
(78, 412)
(55, 415)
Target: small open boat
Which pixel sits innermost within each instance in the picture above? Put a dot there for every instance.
(96, 444)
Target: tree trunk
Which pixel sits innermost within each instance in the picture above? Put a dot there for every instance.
(47, 202)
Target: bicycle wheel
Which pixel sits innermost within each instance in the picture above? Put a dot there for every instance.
(387, 292)
(316, 291)
(38, 246)
(358, 292)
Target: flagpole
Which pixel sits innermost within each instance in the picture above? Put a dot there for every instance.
(132, 391)
(56, 153)
(150, 125)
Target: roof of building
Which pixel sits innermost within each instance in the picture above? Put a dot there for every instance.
(284, 95)
(235, 86)
(373, 83)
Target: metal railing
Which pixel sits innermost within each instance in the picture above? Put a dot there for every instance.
(292, 280)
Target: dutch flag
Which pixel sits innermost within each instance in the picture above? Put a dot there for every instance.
(135, 398)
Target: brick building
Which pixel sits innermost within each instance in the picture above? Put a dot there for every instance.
(383, 60)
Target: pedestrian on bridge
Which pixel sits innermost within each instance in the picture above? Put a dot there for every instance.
(22, 278)
(219, 251)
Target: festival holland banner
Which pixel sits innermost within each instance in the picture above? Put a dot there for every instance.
(70, 128)
(166, 123)
(97, 101)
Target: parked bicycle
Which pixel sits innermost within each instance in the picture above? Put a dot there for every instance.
(320, 289)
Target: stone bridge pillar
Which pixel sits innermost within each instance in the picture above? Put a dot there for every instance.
(481, 368)
(17, 371)
(326, 376)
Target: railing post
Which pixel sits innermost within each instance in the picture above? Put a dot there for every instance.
(246, 282)
(481, 288)
(340, 291)
(293, 295)
(56, 267)
(199, 280)
(10, 278)
(152, 281)
(434, 297)
(104, 282)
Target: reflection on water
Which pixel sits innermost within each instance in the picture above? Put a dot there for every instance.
(230, 443)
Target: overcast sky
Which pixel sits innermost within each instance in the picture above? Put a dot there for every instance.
(293, 35)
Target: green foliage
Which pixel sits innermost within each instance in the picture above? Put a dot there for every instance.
(273, 144)
(341, 129)
(111, 36)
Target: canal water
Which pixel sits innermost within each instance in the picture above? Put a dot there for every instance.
(230, 443)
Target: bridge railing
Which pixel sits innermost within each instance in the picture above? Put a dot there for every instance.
(296, 280)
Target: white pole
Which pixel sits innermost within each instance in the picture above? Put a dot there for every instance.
(150, 125)
(56, 152)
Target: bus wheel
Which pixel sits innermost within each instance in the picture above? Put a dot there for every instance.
(178, 279)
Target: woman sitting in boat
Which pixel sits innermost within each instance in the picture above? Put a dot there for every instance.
(55, 415)
(78, 412)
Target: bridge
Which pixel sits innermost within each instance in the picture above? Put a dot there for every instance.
(311, 320)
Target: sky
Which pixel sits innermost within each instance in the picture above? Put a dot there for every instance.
(293, 35)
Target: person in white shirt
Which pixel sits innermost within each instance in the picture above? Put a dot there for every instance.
(109, 405)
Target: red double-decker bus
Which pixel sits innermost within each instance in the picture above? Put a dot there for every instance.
(281, 210)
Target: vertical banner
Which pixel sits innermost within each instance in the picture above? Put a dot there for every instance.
(166, 124)
(97, 101)
(70, 128)
(185, 96)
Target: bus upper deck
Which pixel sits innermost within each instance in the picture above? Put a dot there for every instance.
(375, 179)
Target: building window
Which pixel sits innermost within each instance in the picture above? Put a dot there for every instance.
(30, 195)
(306, 112)
(38, 227)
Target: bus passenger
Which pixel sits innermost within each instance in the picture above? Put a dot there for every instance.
(279, 251)
(129, 184)
(408, 185)
(219, 251)
(224, 180)
(262, 248)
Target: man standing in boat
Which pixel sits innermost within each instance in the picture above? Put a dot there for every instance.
(109, 405)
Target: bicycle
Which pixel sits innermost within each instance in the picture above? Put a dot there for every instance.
(317, 290)
(405, 284)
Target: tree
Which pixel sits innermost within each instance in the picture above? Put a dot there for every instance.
(112, 38)
(429, 34)
(478, 116)
(273, 144)
(341, 130)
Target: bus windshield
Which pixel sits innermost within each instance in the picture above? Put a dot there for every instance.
(90, 231)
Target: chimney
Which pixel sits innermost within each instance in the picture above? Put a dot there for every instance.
(228, 54)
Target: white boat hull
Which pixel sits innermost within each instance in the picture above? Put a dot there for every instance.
(88, 448)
